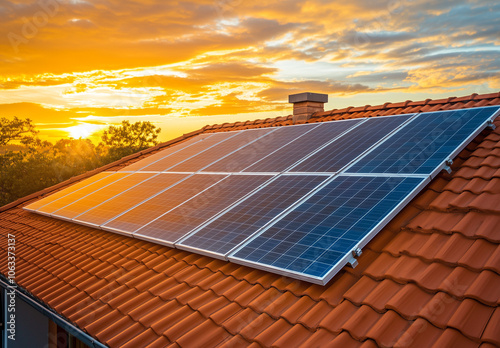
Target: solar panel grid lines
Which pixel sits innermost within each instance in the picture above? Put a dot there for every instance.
(156, 206)
(348, 147)
(72, 197)
(294, 152)
(180, 221)
(221, 150)
(128, 199)
(59, 194)
(221, 234)
(101, 195)
(423, 145)
(256, 150)
(283, 200)
(187, 153)
(321, 231)
(162, 154)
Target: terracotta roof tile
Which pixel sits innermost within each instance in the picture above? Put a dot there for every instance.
(492, 332)
(320, 338)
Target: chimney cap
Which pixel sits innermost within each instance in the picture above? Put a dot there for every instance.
(308, 96)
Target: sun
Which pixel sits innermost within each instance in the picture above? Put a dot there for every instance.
(83, 130)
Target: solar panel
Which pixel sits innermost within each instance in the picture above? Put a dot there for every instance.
(423, 145)
(128, 199)
(329, 188)
(253, 152)
(98, 196)
(286, 156)
(59, 194)
(175, 224)
(71, 197)
(166, 199)
(242, 138)
(188, 152)
(345, 149)
(316, 238)
(220, 236)
(165, 153)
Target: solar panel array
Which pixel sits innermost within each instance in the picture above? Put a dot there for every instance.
(299, 200)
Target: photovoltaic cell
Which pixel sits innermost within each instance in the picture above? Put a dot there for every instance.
(303, 146)
(345, 149)
(188, 152)
(76, 195)
(130, 198)
(95, 198)
(163, 202)
(186, 217)
(425, 143)
(319, 233)
(242, 138)
(59, 194)
(255, 151)
(246, 218)
(165, 153)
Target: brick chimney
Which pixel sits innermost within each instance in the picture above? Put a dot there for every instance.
(307, 103)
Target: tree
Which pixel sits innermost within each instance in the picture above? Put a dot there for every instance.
(129, 138)
(17, 130)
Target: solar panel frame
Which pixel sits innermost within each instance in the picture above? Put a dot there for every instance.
(101, 195)
(173, 149)
(87, 218)
(78, 193)
(348, 133)
(225, 136)
(355, 123)
(223, 256)
(153, 198)
(349, 169)
(347, 257)
(66, 191)
(181, 167)
(268, 138)
(171, 243)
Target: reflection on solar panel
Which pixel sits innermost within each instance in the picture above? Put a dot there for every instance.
(59, 194)
(242, 221)
(89, 201)
(314, 237)
(76, 195)
(344, 150)
(425, 143)
(178, 222)
(165, 153)
(188, 152)
(328, 190)
(288, 155)
(253, 152)
(220, 150)
(161, 203)
(115, 206)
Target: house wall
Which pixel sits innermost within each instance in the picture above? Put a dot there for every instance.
(31, 326)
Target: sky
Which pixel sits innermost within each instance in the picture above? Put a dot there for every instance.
(77, 66)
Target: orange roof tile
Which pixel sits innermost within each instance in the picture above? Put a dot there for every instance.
(430, 277)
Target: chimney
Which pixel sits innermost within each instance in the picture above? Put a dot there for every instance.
(305, 104)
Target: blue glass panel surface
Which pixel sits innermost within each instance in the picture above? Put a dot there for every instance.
(346, 148)
(248, 155)
(423, 144)
(186, 217)
(316, 235)
(243, 220)
(293, 152)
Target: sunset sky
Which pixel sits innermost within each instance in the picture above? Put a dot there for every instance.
(77, 66)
